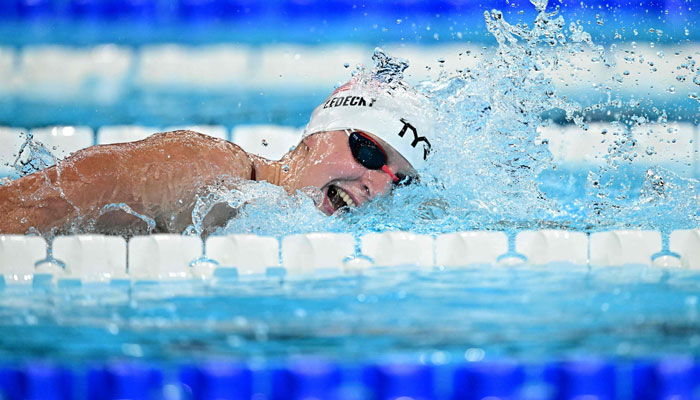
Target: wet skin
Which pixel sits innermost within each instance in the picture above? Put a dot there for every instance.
(161, 176)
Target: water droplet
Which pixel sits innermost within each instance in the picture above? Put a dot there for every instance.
(671, 89)
(398, 21)
(346, 65)
(285, 168)
(264, 142)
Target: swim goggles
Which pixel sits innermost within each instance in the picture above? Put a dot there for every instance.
(370, 154)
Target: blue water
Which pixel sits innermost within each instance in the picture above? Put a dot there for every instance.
(444, 315)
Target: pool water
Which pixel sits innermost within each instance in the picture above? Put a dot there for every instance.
(435, 316)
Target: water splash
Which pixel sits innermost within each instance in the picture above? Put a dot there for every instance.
(32, 156)
(150, 222)
(488, 169)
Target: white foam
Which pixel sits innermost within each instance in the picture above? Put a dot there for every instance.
(468, 248)
(309, 252)
(123, 133)
(268, 141)
(64, 140)
(249, 254)
(549, 246)
(91, 258)
(390, 249)
(624, 247)
(687, 244)
(163, 256)
(18, 255)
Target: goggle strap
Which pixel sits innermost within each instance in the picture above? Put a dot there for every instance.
(386, 169)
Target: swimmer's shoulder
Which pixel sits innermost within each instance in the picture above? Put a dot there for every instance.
(226, 154)
(192, 150)
(187, 137)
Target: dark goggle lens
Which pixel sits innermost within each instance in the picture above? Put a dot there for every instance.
(366, 152)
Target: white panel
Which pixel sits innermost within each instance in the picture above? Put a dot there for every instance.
(624, 247)
(58, 73)
(465, 248)
(687, 244)
(92, 257)
(64, 140)
(10, 142)
(671, 145)
(306, 253)
(212, 130)
(7, 69)
(213, 66)
(548, 246)
(284, 66)
(18, 254)
(575, 145)
(250, 254)
(123, 133)
(269, 141)
(398, 248)
(166, 256)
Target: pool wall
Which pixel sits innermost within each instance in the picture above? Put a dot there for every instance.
(97, 258)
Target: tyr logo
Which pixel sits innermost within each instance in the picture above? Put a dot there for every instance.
(416, 139)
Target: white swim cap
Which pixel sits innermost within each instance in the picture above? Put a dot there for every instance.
(396, 115)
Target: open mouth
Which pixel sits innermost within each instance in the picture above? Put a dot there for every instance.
(339, 198)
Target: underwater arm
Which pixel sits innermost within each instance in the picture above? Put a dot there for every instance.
(152, 181)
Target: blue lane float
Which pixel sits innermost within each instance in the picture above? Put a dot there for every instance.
(673, 378)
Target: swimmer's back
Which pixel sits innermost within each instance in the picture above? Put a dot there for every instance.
(159, 177)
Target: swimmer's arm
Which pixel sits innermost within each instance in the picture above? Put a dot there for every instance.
(158, 177)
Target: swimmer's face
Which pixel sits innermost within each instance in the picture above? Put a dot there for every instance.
(342, 180)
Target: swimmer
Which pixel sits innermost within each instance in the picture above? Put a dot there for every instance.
(358, 145)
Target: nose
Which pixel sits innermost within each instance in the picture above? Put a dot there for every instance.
(376, 182)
